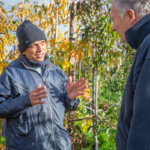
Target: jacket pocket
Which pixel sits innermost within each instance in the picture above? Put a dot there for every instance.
(19, 89)
(21, 86)
(20, 136)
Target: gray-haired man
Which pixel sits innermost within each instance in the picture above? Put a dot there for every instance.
(131, 19)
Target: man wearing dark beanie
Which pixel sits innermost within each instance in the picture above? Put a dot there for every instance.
(34, 96)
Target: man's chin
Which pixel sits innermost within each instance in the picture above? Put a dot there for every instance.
(39, 59)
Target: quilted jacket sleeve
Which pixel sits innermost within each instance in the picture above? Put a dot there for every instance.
(10, 105)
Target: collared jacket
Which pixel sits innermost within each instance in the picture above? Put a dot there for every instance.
(38, 127)
(133, 131)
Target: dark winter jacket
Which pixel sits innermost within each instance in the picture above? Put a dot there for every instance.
(133, 131)
(38, 127)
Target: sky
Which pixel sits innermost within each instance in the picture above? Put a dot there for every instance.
(9, 3)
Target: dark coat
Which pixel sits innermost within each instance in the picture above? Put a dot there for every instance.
(133, 131)
(38, 127)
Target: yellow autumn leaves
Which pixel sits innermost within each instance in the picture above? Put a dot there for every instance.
(86, 124)
(60, 47)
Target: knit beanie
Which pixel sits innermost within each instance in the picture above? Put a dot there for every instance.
(28, 33)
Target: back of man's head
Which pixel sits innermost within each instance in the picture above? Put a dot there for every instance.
(141, 7)
(28, 33)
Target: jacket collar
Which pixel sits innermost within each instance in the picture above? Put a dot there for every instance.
(137, 33)
(28, 65)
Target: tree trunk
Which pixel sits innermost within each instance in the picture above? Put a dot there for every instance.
(80, 65)
(72, 39)
(94, 105)
(73, 35)
(56, 28)
(96, 95)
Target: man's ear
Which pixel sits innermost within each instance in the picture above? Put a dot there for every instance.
(131, 15)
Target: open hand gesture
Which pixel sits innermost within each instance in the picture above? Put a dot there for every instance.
(76, 89)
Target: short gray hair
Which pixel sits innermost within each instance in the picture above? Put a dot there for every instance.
(141, 7)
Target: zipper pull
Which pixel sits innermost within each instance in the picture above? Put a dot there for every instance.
(45, 83)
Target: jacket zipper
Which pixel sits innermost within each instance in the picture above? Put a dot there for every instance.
(47, 86)
(51, 116)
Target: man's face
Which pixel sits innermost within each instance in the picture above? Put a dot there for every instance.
(120, 25)
(36, 51)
